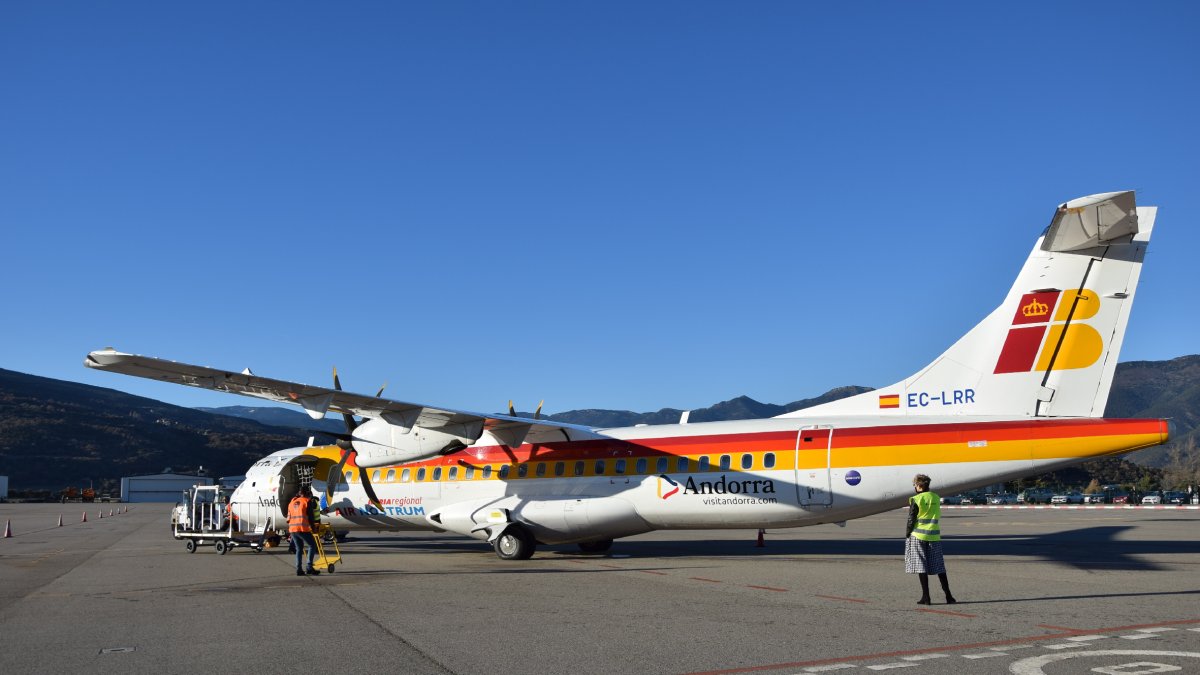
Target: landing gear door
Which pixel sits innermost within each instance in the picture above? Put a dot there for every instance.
(813, 455)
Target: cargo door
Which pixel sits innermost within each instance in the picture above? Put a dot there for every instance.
(813, 455)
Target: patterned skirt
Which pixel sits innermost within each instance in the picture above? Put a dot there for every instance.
(923, 557)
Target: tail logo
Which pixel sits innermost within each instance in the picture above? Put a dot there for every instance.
(1035, 309)
(1035, 337)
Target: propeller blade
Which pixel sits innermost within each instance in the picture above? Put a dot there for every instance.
(351, 424)
(379, 394)
(537, 414)
(366, 483)
(330, 485)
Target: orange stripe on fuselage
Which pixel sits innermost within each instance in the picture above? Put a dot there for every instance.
(869, 446)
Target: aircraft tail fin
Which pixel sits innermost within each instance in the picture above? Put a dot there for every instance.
(1050, 349)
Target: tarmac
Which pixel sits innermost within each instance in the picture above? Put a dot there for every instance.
(1040, 591)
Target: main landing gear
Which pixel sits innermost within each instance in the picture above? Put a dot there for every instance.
(515, 543)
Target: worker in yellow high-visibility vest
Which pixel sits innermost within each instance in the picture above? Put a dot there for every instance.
(923, 543)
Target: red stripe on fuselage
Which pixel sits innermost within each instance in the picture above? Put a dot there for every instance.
(785, 441)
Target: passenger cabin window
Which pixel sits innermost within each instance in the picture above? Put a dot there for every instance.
(725, 462)
(560, 468)
(349, 477)
(769, 460)
(405, 475)
(487, 472)
(522, 470)
(541, 469)
(599, 467)
(619, 467)
(437, 473)
(421, 474)
(375, 476)
(579, 467)
(504, 471)
(702, 465)
(453, 474)
(641, 466)
(391, 475)
(469, 474)
(661, 465)
(681, 464)
(747, 461)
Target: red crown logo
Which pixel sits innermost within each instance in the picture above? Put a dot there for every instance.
(1035, 308)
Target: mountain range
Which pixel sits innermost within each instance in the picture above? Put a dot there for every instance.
(55, 433)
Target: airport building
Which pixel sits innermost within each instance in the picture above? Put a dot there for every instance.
(161, 487)
(3, 487)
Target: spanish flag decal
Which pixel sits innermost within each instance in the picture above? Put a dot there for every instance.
(889, 401)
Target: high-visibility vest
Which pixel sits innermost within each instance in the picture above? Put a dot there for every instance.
(929, 513)
(298, 515)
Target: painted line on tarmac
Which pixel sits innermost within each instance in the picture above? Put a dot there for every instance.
(997, 646)
(767, 588)
(835, 597)
(711, 581)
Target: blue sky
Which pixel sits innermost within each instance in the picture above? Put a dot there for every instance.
(612, 205)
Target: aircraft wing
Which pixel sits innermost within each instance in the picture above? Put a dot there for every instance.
(317, 401)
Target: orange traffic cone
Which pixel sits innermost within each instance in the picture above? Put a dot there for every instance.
(761, 543)
(60, 520)
(84, 518)
(8, 529)
(110, 512)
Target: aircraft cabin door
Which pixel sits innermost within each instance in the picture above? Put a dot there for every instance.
(814, 452)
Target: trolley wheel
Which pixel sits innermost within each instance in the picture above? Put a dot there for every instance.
(222, 547)
(191, 545)
(331, 568)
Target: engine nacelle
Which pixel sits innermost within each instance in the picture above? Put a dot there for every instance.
(380, 443)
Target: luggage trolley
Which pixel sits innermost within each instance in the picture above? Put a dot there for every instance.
(326, 539)
(203, 518)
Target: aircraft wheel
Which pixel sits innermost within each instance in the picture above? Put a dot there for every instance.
(331, 569)
(221, 547)
(191, 545)
(515, 544)
(595, 546)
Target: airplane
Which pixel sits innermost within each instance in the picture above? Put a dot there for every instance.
(1022, 393)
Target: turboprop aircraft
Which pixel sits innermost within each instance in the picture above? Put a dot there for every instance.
(1022, 393)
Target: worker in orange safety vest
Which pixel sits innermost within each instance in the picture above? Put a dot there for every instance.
(303, 518)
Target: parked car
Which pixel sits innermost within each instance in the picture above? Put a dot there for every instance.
(1035, 496)
(1174, 497)
(1119, 498)
(1003, 498)
(1152, 498)
(964, 499)
(1067, 498)
(1094, 498)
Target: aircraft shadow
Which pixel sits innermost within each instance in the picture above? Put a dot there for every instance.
(1084, 548)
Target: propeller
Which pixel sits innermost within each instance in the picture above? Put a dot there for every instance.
(348, 449)
(537, 414)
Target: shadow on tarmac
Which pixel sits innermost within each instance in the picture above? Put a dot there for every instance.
(1084, 548)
